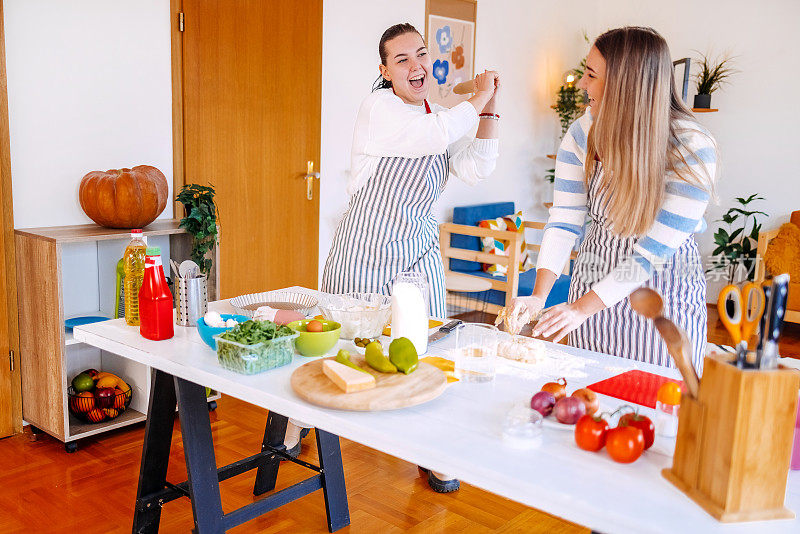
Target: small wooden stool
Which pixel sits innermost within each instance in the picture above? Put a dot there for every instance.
(466, 293)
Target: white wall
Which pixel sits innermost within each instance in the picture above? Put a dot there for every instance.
(756, 123)
(532, 43)
(88, 89)
(351, 30)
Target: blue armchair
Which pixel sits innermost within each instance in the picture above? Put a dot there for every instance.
(461, 253)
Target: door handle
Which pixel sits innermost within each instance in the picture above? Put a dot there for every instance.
(309, 178)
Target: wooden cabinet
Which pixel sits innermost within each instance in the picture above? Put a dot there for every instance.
(70, 271)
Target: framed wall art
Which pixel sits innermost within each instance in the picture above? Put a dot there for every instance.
(450, 34)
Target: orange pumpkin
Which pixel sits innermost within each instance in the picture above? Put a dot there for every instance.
(124, 198)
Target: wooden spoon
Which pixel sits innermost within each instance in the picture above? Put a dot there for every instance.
(680, 348)
(647, 302)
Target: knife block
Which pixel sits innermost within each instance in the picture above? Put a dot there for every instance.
(734, 441)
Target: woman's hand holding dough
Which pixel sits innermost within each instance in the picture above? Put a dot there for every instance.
(530, 306)
(560, 320)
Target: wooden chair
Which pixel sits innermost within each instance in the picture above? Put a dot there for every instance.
(511, 284)
(764, 237)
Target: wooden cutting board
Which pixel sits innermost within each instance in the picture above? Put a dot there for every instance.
(393, 390)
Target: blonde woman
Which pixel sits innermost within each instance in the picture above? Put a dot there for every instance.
(640, 166)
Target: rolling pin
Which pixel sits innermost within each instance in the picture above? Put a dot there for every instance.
(465, 88)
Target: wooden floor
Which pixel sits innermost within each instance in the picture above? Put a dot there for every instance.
(44, 489)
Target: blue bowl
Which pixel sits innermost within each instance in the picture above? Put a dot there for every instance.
(69, 324)
(207, 333)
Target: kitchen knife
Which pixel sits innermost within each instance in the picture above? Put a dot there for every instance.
(762, 325)
(777, 309)
(444, 331)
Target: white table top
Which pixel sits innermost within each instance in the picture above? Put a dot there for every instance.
(459, 434)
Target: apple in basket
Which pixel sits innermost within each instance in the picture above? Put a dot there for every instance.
(105, 397)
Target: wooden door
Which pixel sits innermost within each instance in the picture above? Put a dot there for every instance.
(251, 122)
(9, 383)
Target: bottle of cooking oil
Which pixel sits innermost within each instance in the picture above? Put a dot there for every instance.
(133, 262)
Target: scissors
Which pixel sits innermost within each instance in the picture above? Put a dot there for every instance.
(741, 321)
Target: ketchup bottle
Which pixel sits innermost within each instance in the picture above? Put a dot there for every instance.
(155, 299)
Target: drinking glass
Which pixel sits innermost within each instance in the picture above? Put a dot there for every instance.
(522, 426)
(476, 352)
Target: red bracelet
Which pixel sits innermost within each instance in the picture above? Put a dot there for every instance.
(490, 115)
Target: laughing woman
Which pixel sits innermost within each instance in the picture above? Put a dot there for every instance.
(404, 150)
(642, 168)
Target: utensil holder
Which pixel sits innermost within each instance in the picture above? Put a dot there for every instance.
(734, 441)
(192, 302)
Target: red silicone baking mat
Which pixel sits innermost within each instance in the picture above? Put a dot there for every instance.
(636, 386)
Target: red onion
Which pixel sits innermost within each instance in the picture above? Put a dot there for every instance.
(589, 399)
(569, 409)
(543, 403)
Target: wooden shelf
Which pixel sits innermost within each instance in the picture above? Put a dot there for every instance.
(704, 110)
(47, 352)
(93, 232)
(79, 429)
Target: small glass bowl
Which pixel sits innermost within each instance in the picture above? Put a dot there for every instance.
(360, 314)
(522, 427)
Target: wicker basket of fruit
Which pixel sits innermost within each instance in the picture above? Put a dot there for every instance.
(95, 396)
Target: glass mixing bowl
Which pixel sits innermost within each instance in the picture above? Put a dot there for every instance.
(360, 314)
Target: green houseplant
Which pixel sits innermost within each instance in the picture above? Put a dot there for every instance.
(710, 78)
(570, 102)
(569, 105)
(200, 221)
(736, 241)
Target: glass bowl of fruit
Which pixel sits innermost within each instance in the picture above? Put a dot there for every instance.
(360, 314)
(95, 396)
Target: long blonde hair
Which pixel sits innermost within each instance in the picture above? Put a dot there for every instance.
(636, 132)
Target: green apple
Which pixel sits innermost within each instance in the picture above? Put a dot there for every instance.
(83, 382)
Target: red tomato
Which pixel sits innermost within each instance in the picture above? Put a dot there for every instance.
(590, 433)
(643, 423)
(625, 444)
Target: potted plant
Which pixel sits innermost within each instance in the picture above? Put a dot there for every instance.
(570, 102)
(736, 244)
(200, 222)
(710, 78)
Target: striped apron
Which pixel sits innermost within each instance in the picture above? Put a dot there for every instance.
(619, 330)
(388, 228)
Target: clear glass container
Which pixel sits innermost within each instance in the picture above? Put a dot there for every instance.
(476, 352)
(522, 427)
(410, 311)
(667, 419)
(360, 314)
(252, 359)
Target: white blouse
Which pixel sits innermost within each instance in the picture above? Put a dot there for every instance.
(388, 127)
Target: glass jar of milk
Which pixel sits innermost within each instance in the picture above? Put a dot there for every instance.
(410, 309)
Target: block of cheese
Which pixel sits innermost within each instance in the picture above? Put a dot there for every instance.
(347, 378)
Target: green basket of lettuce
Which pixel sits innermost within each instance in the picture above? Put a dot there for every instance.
(255, 346)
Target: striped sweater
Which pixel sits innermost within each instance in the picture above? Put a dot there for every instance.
(680, 215)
